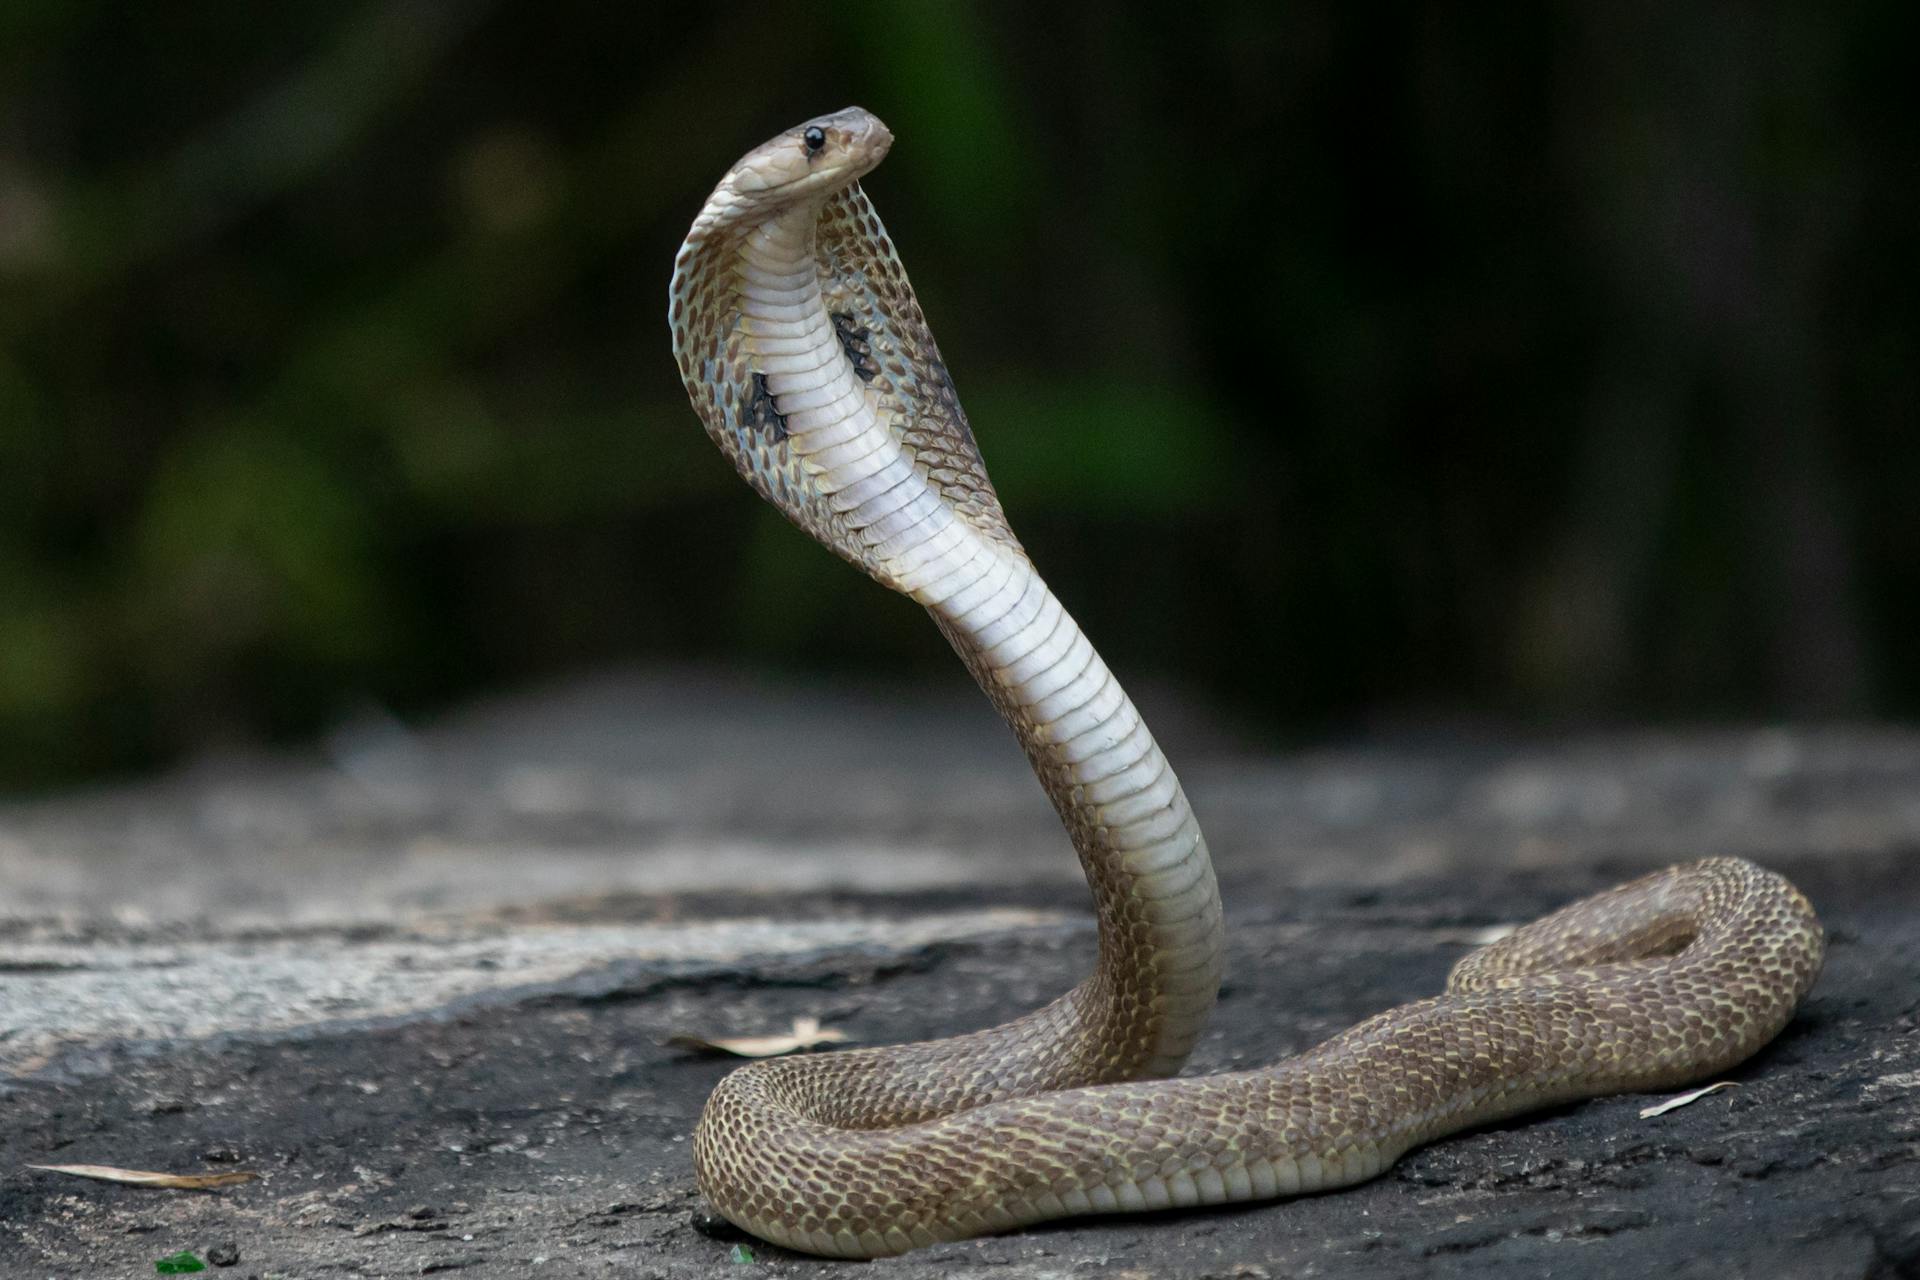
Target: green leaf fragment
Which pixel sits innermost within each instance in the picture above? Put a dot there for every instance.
(740, 1253)
(179, 1263)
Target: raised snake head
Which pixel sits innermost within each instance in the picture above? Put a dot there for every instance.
(808, 162)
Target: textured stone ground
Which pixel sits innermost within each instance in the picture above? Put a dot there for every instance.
(421, 983)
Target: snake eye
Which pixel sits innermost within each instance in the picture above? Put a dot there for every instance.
(815, 137)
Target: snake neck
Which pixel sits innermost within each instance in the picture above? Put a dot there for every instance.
(1161, 941)
(1146, 862)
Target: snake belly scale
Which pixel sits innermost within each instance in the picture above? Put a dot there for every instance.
(809, 361)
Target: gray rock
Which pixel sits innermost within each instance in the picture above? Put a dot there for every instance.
(440, 1040)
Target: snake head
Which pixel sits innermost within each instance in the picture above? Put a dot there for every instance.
(808, 162)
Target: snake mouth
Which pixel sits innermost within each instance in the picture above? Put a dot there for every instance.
(865, 137)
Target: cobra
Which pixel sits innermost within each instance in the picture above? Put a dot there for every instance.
(809, 361)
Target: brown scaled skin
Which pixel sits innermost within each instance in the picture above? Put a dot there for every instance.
(811, 365)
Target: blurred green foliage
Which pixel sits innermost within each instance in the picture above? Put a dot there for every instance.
(1344, 362)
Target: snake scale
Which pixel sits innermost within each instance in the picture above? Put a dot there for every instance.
(810, 363)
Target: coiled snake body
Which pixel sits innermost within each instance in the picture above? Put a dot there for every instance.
(807, 357)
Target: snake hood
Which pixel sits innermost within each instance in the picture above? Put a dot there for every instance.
(807, 163)
(806, 354)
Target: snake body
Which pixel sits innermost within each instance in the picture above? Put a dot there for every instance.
(810, 363)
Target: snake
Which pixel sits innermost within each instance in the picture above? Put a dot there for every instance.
(809, 361)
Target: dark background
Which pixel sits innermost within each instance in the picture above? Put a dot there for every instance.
(1348, 365)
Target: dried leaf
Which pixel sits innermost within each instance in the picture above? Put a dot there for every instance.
(806, 1033)
(144, 1178)
(1681, 1100)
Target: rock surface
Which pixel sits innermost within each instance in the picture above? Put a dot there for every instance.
(421, 984)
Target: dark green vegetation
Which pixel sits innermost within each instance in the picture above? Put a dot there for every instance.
(1353, 362)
